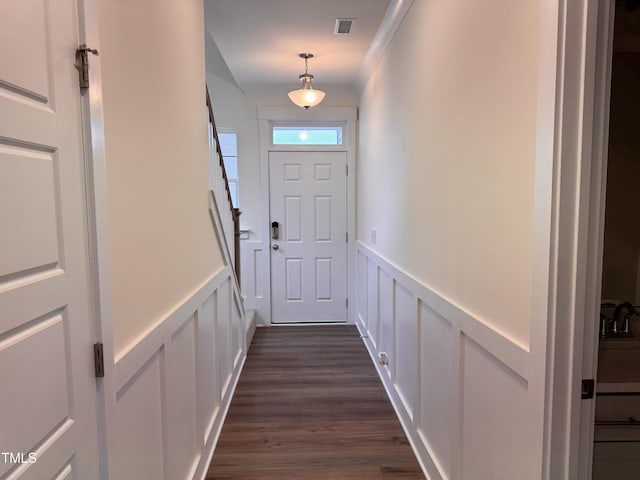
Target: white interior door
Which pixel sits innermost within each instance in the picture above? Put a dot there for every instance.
(308, 200)
(48, 424)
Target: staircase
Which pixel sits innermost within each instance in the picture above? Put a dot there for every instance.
(229, 215)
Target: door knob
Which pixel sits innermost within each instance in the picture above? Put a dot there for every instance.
(275, 246)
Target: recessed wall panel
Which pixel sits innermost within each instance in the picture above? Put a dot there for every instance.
(437, 402)
(496, 433)
(323, 218)
(138, 451)
(180, 396)
(27, 210)
(208, 400)
(386, 316)
(372, 301)
(324, 273)
(236, 333)
(362, 287)
(223, 337)
(406, 348)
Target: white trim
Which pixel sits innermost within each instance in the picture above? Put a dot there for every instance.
(389, 25)
(345, 116)
(98, 224)
(542, 277)
(596, 215)
(131, 360)
(507, 350)
(561, 226)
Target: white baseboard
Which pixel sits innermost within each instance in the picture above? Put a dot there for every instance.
(424, 459)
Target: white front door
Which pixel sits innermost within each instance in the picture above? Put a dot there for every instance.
(48, 419)
(308, 201)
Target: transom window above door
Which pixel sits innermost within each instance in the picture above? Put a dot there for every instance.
(307, 135)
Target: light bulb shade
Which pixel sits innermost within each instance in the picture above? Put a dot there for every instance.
(306, 96)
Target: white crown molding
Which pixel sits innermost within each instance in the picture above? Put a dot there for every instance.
(392, 19)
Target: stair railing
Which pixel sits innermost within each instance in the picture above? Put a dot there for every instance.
(229, 215)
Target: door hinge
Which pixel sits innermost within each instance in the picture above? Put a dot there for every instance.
(82, 64)
(346, 237)
(588, 388)
(347, 302)
(98, 359)
(347, 170)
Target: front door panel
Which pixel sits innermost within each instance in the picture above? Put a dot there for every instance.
(309, 256)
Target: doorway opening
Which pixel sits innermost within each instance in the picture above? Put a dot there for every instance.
(307, 161)
(616, 447)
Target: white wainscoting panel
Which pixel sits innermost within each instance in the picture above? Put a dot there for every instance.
(139, 450)
(238, 327)
(175, 384)
(362, 289)
(208, 383)
(253, 263)
(494, 442)
(373, 320)
(223, 336)
(179, 402)
(459, 386)
(387, 328)
(406, 347)
(436, 418)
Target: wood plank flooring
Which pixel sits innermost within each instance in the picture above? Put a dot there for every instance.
(309, 405)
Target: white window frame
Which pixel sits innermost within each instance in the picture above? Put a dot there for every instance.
(235, 180)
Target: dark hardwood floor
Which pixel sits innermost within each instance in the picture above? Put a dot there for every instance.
(309, 405)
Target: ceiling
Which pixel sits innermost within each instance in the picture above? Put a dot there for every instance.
(260, 40)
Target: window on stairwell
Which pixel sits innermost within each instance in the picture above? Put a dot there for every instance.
(229, 146)
(307, 135)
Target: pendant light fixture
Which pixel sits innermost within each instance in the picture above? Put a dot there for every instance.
(306, 96)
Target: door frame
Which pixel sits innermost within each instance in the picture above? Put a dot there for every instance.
(572, 132)
(270, 116)
(603, 51)
(92, 112)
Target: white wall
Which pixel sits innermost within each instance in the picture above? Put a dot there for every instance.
(163, 246)
(178, 327)
(446, 178)
(456, 158)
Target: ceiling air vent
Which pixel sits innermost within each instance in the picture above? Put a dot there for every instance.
(343, 26)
